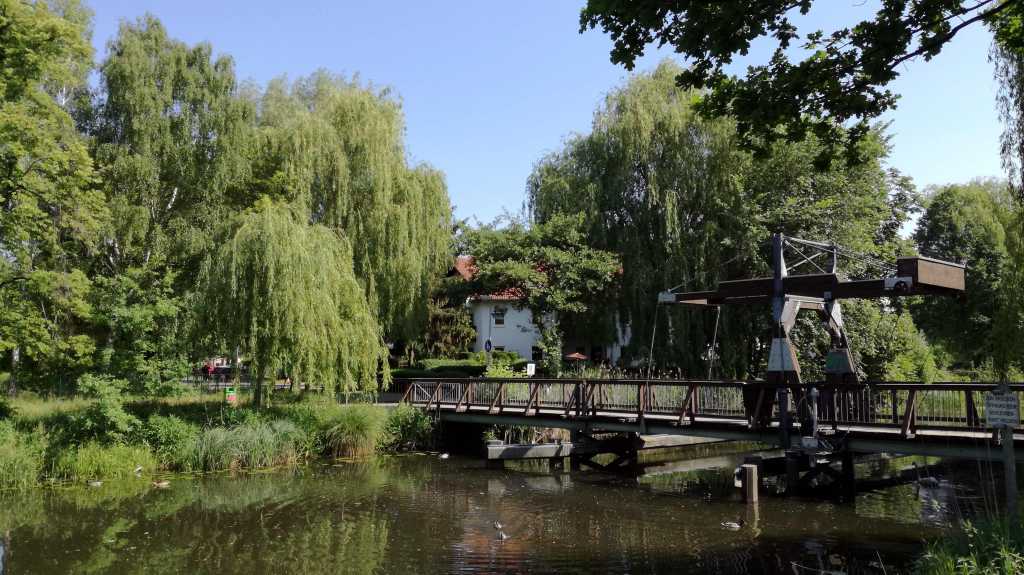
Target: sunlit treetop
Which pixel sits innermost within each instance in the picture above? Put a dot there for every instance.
(838, 81)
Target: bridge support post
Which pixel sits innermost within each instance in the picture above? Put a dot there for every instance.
(575, 461)
(750, 482)
(849, 475)
(1009, 472)
(495, 463)
(792, 471)
(784, 420)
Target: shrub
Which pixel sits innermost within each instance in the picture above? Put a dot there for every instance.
(500, 369)
(21, 457)
(97, 461)
(105, 419)
(407, 427)
(356, 431)
(172, 440)
(6, 409)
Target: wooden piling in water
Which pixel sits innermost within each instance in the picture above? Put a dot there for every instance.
(750, 482)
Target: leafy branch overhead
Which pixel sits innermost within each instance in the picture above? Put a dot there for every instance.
(827, 83)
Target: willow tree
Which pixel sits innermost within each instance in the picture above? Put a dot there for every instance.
(673, 194)
(335, 149)
(282, 293)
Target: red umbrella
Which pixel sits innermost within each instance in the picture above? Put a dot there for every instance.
(576, 356)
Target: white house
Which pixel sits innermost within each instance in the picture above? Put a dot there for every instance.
(509, 327)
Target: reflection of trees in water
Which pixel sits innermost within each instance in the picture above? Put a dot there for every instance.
(312, 519)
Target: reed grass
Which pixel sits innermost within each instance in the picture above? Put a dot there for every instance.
(97, 461)
(356, 431)
(21, 457)
(984, 548)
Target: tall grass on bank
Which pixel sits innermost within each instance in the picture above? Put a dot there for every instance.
(356, 431)
(247, 446)
(21, 457)
(97, 461)
(78, 440)
(984, 548)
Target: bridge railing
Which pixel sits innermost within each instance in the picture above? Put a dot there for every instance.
(906, 406)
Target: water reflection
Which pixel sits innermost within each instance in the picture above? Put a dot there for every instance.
(418, 514)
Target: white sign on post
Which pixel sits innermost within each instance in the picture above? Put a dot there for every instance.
(1002, 410)
(531, 369)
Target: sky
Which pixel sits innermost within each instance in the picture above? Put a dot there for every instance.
(489, 88)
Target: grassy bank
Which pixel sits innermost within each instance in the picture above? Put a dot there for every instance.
(983, 548)
(106, 437)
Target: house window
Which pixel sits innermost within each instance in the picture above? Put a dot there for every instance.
(499, 316)
(536, 354)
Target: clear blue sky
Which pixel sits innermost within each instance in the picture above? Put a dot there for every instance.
(488, 88)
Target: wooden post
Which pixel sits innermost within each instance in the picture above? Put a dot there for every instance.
(849, 476)
(1010, 472)
(750, 482)
(792, 471)
(784, 423)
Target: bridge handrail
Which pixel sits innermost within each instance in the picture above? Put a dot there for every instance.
(907, 385)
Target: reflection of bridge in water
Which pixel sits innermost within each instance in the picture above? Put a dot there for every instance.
(823, 422)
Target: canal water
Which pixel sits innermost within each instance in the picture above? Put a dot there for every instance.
(423, 514)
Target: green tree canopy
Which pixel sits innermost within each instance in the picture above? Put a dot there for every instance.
(548, 267)
(838, 76)
(171, 136)
(49, 211)
(335, 148)
(966, 223)
(282, 292)
(672, 194)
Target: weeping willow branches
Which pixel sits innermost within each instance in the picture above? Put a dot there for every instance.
(283, 293)
(334, 149)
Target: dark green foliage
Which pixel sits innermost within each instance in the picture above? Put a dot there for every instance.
(839, 76)
(449, 330)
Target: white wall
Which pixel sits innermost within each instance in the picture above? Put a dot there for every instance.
(518, 334)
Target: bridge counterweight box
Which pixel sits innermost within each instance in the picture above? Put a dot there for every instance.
(931, 275)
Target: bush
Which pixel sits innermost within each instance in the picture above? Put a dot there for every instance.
(21, 457)
(97, 461)
(172, 440)
(105, 419)
(6, 409)
(407, 427)
(989, 548)
(356, 431)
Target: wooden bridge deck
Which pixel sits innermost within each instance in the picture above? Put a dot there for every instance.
(942, 419)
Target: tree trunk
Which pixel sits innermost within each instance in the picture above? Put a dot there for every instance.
(257, 389)
(12, 383)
